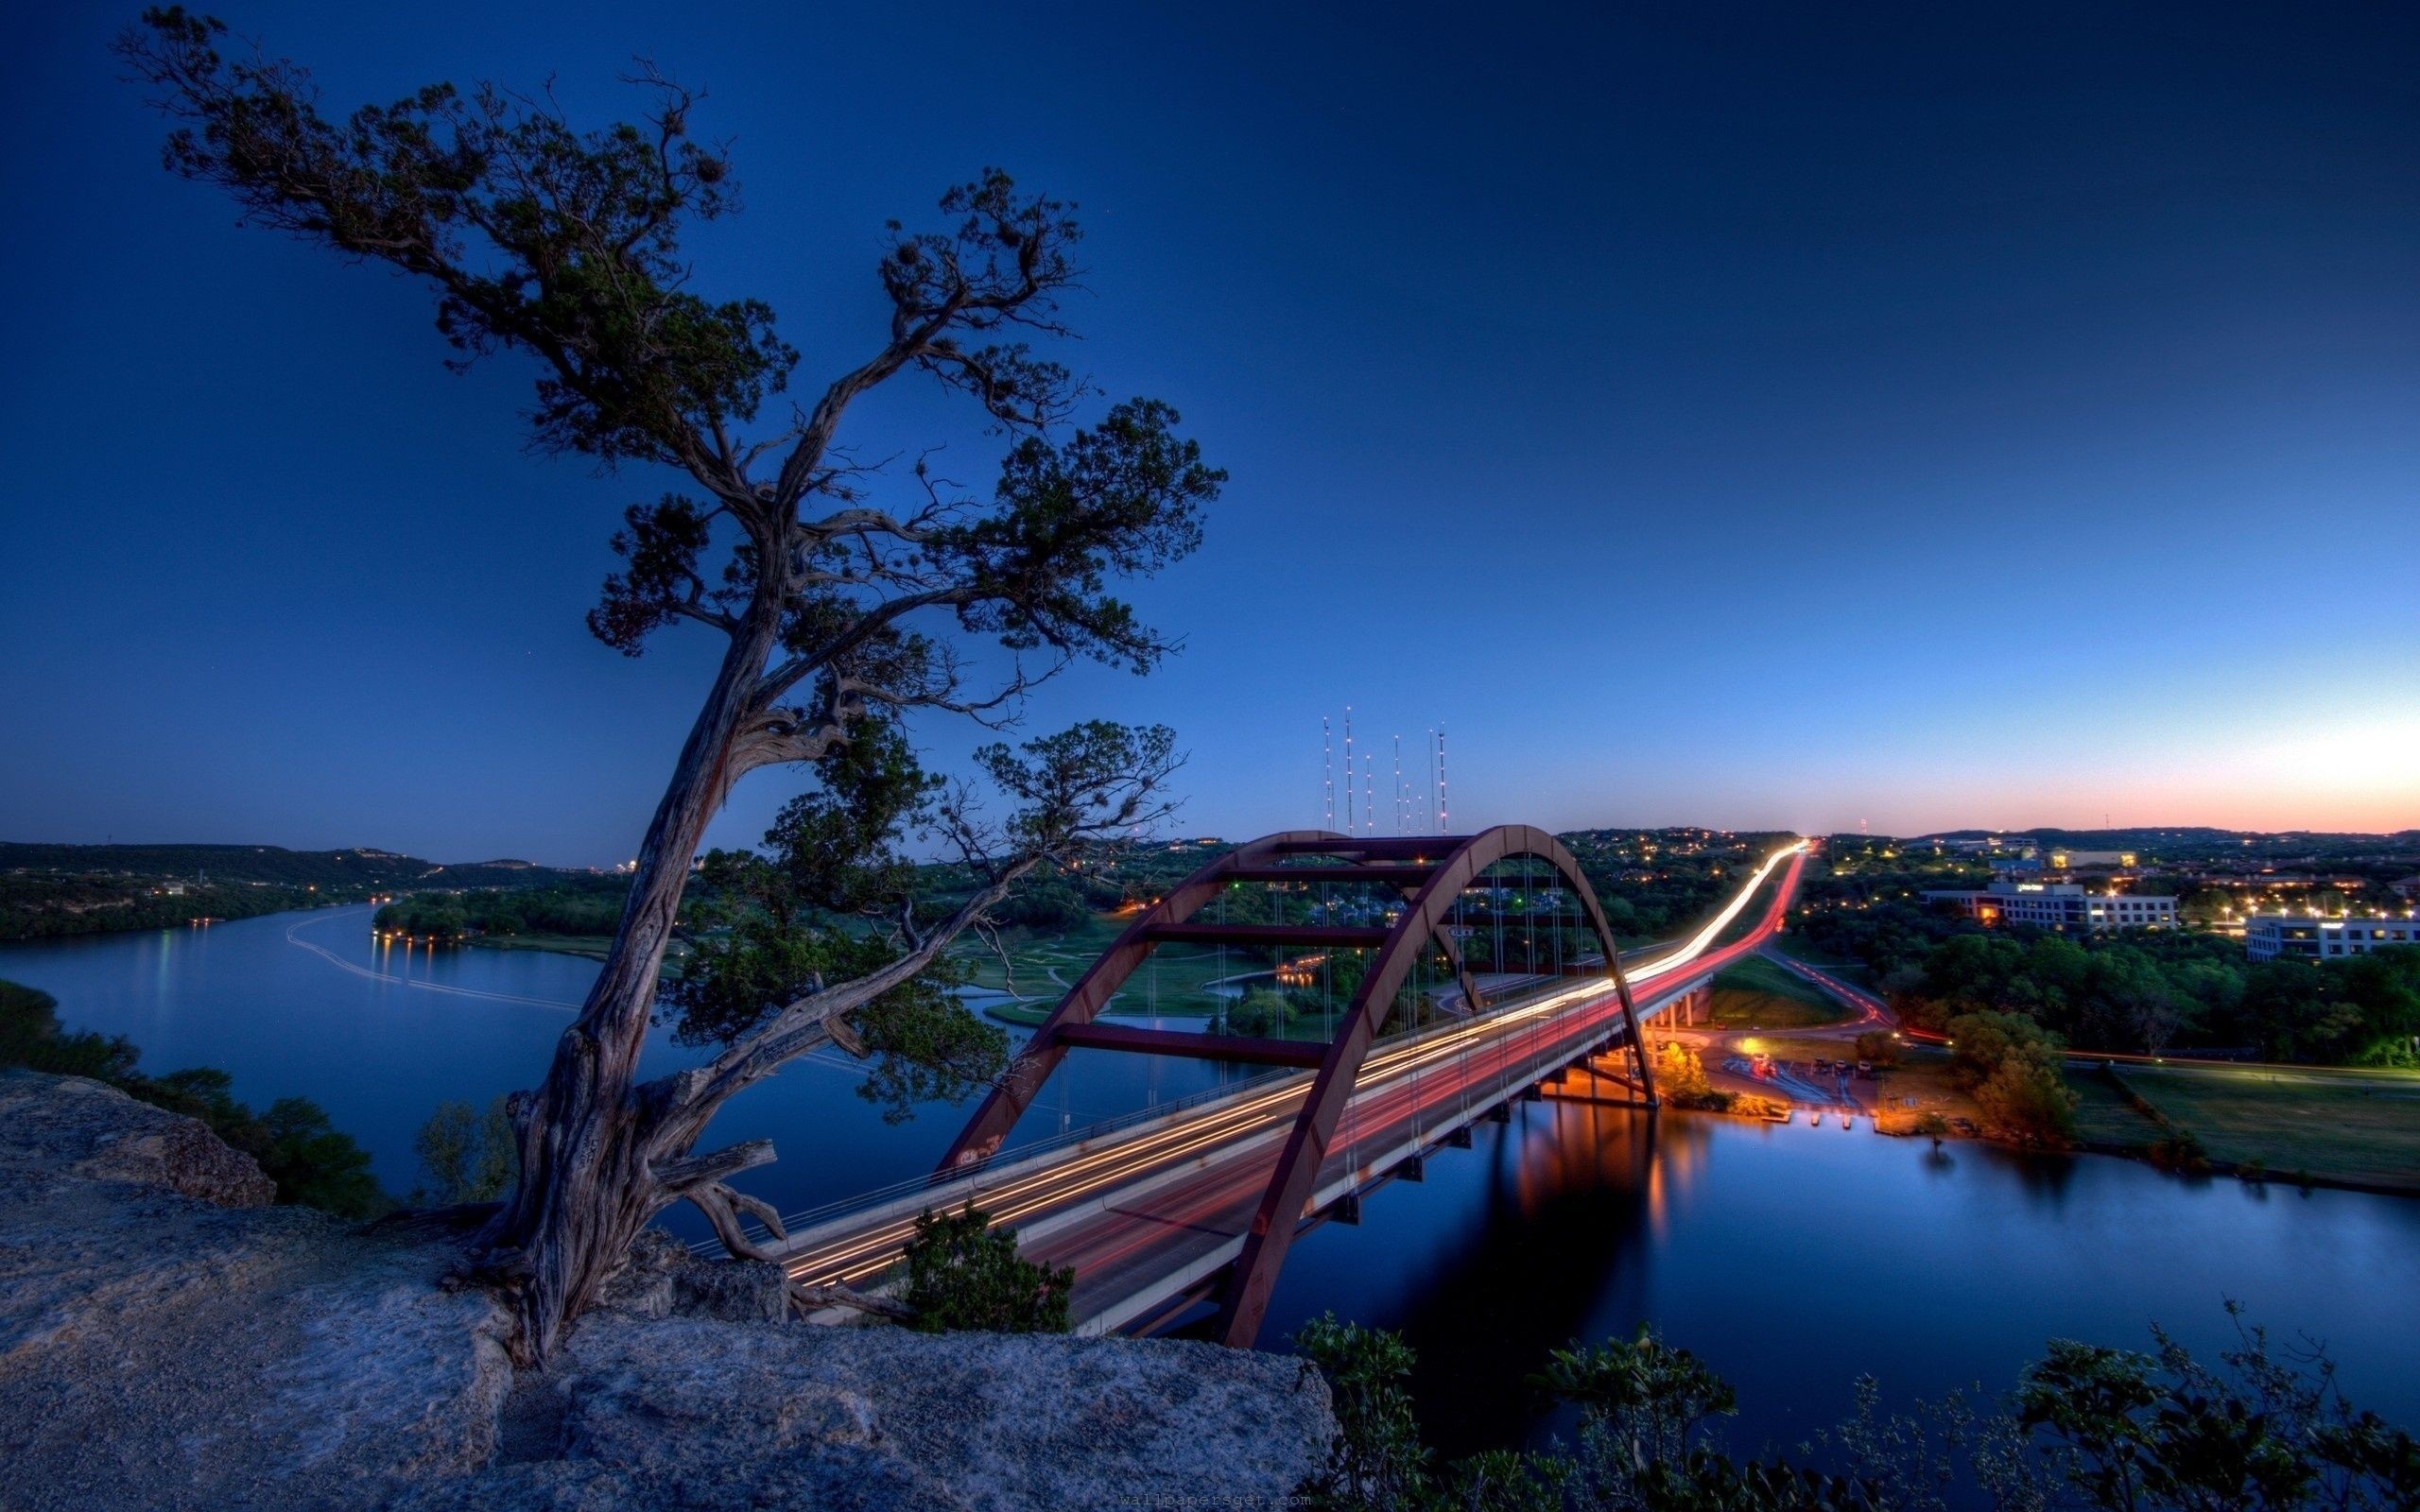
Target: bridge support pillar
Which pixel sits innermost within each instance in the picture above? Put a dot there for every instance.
(1461, 1138)
(1500, 1113)
(1412, 1169)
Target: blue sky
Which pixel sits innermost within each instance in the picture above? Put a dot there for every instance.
(1726, 415)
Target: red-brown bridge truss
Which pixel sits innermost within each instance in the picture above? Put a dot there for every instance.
(1430, 872)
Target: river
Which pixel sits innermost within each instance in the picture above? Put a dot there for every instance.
(1791, 1256)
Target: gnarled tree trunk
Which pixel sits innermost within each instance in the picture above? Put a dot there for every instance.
(593, 1170)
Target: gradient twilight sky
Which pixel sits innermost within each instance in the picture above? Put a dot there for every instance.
(1778, 416)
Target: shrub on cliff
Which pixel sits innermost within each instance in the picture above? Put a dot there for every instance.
(30, 1037)
(464, 1156)
(963, 1274)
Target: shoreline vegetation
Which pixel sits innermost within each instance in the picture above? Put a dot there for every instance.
(2086, 1425)
(2352, 1127)
(312, 1162)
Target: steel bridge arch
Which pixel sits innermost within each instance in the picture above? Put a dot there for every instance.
(1430, 872)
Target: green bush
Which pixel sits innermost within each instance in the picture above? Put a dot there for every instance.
(465, 1156)
(2015, 1069)
(2179, 1149)
(1376, 1459)
(963, 1274)
(1263, 1014)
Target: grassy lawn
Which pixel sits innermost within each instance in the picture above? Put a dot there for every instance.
(2347, 1125)
(2104, 1116)
(591, 946)
(1856, 973)
(1172, 982)
(1758, 994)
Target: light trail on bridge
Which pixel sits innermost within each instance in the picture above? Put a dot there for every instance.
(1082, 1209)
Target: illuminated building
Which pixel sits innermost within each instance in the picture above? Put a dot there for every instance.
(2266, 937)
(2058, 906)
(2062, 860)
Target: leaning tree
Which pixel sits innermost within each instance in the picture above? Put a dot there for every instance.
(844, 611)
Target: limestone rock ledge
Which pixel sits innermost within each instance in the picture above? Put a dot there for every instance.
(159, 1347)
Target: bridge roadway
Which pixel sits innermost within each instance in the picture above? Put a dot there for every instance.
(1150, 1214)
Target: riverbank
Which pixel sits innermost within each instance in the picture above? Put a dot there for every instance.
(2349, 1127)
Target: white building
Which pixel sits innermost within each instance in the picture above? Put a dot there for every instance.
(2059, 905)
(2266, 937)
(2064, 860)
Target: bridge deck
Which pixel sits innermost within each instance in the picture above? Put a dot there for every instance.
(1150, 1213)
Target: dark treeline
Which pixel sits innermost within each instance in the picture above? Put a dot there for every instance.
(52, 890)
(2136, 991)
(51, 906)
(262, 863)
(2087, 1426)
(590, 906)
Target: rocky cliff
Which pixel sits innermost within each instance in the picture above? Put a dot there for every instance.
(167, 1340)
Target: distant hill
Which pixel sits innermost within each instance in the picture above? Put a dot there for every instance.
(49, 891)
(2153, 837)
(361, 867)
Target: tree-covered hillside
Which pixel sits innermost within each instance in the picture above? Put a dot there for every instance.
(48, 890)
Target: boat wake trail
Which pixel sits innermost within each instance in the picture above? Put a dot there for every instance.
(389, 979)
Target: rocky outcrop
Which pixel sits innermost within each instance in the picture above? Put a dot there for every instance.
(157, 1350)
(66, 1125)
(160, 1349)
(695, 1413)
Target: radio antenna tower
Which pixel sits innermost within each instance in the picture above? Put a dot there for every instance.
(1445, 823)
(1428, 809)
(1327, 771)
(1348, 769)
(1400, 816)
(1369, 794)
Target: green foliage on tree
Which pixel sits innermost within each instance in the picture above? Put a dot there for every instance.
(1644, 1401)
(2013, 1069)
(2137, 991)
(2087, 1427)
(2128, 1430)
(465, 1156)
(1046, 904)
(1376, 1460)
(963, 1274)
(1260, 1012)
(312, 1162)
(1681, 1079)
(582, 908)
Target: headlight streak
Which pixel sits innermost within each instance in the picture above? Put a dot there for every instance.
(857, 1257)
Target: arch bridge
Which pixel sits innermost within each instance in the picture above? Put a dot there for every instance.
(1202, 1200)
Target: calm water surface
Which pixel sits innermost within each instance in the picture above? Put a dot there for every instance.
(1792, 1258)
